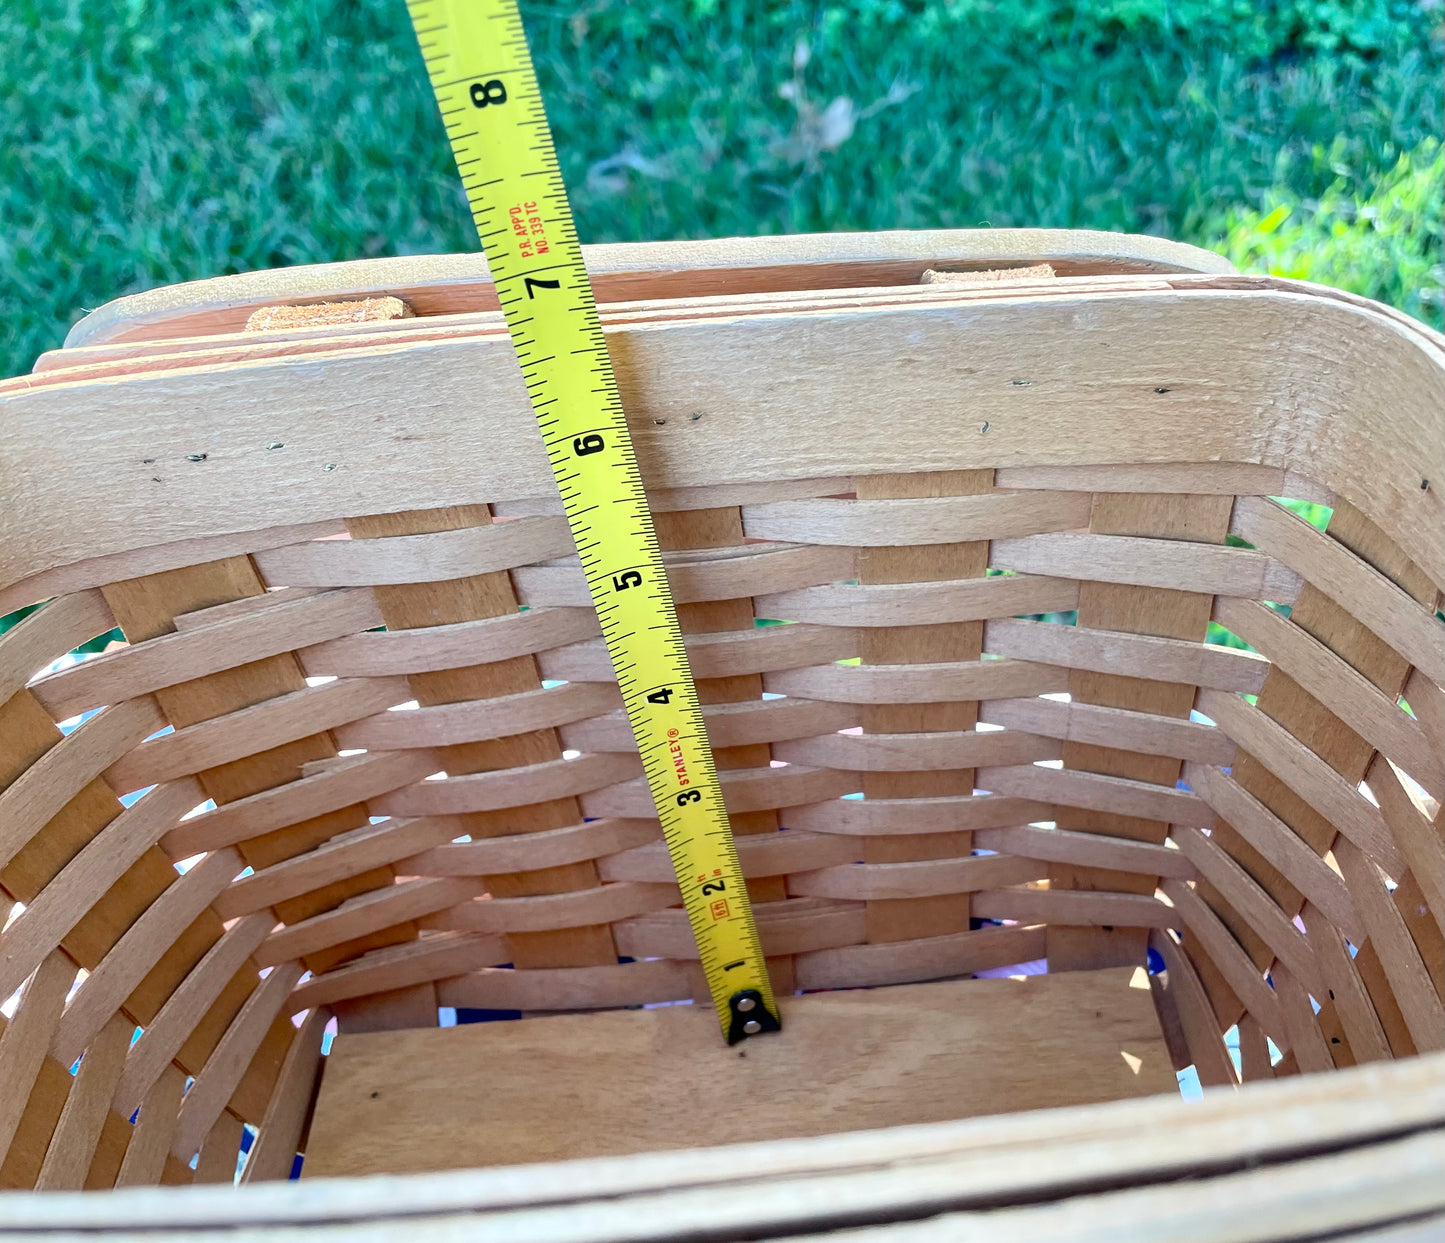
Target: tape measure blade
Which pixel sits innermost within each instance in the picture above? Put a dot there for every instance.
(491, 105)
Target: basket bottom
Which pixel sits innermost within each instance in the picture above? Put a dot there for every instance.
(628, 1081)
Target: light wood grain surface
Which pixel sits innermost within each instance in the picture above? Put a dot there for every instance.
(1079, 1167)
(751, 427)
(545, 1089)
(377, 765)
(665, 269)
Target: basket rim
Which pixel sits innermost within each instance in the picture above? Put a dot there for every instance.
(1048, 1149)
(357, 278)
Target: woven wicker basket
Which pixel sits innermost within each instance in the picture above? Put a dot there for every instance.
(1002, 517)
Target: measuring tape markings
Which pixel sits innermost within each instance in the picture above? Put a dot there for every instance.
(497, 126)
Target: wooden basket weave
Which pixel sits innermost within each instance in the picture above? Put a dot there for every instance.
(1002, 518)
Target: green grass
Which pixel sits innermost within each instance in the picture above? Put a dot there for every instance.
(150, 141)
(1381, 239)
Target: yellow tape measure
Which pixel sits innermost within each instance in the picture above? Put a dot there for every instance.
(476, 55)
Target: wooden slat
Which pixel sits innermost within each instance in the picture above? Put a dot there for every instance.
(1098, 792)
(451, 645)
(481, 720)
(1167, 1009)
(771, 854)
(590, 840)
(945, 814)
(48, 634)
(916, 879)
(1347, 993)
(148, 607)
(146, 954)
(145, 1156)
(402, 966)
(1370, 593)
(745, 723)
(1421, 843)
(1306, 1041)
(904, 521)
(321, 791)
(416, 556)
(501, 791)
(346, 855)
(1114, 651)
(1141, 732)
(25, 1039)
(926, 958)
(1253, 1051)
(1255, 906)
(223, 1070)
(29, 737)
(281, 719)
(575, 988)
(1339, 686)
(772, 570)
(960, 640)
(68, 768)
(284, 624)
(1229, 958)
(465, 599)
(229, 958)
(1276, 842)
(605, 904)
(926, 682)
(1411, 983)
(1090, 849)
(1335, 798)
(1146, 611)
(289, 1111)
(85, 881)
(1427, 702)
(1157, 562)
(1410, 902)
(898, 752)
(1196, 1017)
(1075, 907)
(792, 926)
(875, 606)
(744, 790)
(1299, 761)
(216, 1162)
(384, 907)
(78, 1132)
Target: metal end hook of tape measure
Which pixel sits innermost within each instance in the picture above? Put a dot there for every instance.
(750, 1016)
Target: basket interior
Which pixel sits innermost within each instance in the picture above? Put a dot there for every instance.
(1058, 673)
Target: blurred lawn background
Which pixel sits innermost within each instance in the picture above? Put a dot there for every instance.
(152, 141)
